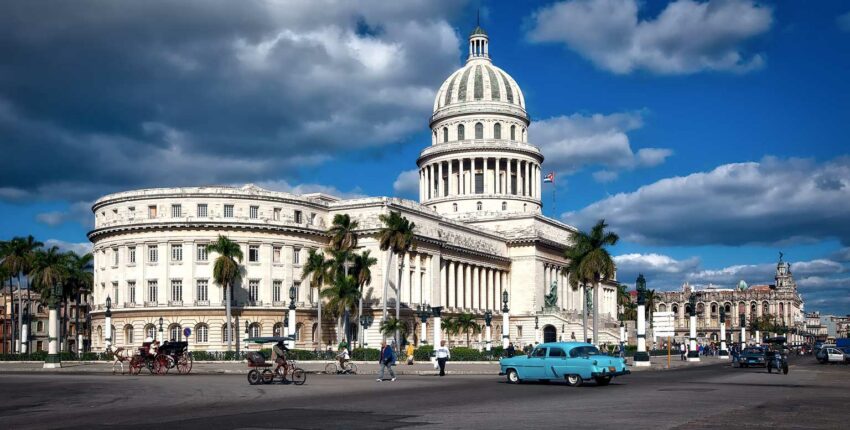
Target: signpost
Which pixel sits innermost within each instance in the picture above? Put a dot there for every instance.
(663, 326)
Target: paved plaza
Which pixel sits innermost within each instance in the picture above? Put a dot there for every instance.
(707, 396)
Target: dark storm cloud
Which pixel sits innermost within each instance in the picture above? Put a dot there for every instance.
(100, 96)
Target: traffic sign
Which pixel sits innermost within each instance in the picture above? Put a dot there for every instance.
(663, 324)
(186, 332)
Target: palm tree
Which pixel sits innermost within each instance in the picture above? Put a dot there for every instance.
(652, 299)
(575, 254)
(396, 236)
(317, 268)
(80, 280)
(362, 270)
(48, 270)
(450, 326)
(18, 260)
(465, 323)
(392, 326)
(4, 275)
(597, 264)
(343, 296)
(227, 272)
(342, 233)
(623, 300)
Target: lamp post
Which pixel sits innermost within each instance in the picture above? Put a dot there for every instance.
(505, 320)
(25, 322)
(291, 316)
(724, 353)
(365, 322)
(436, 310)
(693, 354)
(53, 359)
(488, 342)
(161, 337)
(536, 329)
(641, 358)
(743, 320)
(423, 312)
(108, 322)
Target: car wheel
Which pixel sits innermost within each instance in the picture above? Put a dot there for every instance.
(574, 380)
(513, 377)
(603, 380)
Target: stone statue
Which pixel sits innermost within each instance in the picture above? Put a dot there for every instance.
(640, 285)
(551, 299)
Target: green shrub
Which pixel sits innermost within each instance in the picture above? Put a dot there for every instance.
(465, 354)
(365, 354)
(423, 353)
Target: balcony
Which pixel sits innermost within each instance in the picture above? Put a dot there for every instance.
(152, 304)
(254, 303)
(129, 304)
(175, 303)
(278, 304)
(233, 303)
(202, 302)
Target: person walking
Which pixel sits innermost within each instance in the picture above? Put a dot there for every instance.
(409, 351)
(683, 350)
(386, 360)
(443, 354)
(510, 350)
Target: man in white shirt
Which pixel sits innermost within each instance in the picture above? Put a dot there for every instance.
(443, 354)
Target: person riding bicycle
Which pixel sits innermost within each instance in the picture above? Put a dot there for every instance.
(343, 356)
(279, 351)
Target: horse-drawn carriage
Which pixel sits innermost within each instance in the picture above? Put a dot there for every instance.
(159, 359)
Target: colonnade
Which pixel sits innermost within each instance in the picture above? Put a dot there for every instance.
(416, 282)
(499, 175)
(469, 287)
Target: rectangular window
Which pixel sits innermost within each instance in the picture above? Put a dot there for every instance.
(131, 291)
(153, 254)
(519, 331)
(296, 255)
(114, 256)
(312, 219)
(276, 285)
(479, 183)
(297, 285)
(254, 212)
(202, 252)
(297, 217)
(152, 293)
(202, 210)
(151, 212)
(203, 290)
(276, 254)
(228, 211)
(115, 298)
(253, 253)
(131, 255)
(176, 211)
(176, 290)
(277, 214)
(176, 252)
(253, 290)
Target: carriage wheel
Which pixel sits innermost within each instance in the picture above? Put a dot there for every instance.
(299, 377)
(268, 376)
(136, 364)
(254, 377)
(160, 364)
(184, 363)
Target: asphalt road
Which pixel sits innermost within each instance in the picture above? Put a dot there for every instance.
(810, 396)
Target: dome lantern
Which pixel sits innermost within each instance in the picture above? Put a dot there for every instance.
(478, 43)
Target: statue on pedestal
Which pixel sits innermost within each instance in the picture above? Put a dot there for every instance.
(551, 300)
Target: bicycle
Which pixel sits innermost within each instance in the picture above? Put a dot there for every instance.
(348, 368)
(285, 374)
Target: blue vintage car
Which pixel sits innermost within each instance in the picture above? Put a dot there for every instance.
(574, 362)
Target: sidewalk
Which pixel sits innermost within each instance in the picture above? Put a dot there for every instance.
(363, 368)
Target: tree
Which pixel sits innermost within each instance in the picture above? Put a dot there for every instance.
(392, 326)
(317, 269)
(227, 271)
(574, 254)
(19, 254)
(80, 280)
(362, 270)
(465, 323)
(343, 296)
(49, 268)
(395, 236)
(6, 276)
(450, 326)
(342, 233)
(624, 299)
(597, 264)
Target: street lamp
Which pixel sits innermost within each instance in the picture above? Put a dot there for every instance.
(290, 326)
(693, 354)
(423, 312)
(365, 322)
(53, 357)
(108, 321)
(505, 320)
(161, 338)
(488, 318)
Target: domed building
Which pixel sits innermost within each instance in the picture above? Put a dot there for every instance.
(480, 236)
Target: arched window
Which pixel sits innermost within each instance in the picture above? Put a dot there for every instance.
(714, 308)
(445, 134)
(224, 334)
(454, 206)
(128, 335)
(277, 329)
(39, 326)
(478, 205)
(675, 310)
(460, 132)
(298, 328)
(479, 130)
(523, 134)
(497, 131)
(150, 332)
(504, 206)
(174, 332)
(513, 132)
(202, 333)
(662, 308)
(254, 330)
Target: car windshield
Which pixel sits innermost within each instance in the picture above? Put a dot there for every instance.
(581, 351)
(754, 351)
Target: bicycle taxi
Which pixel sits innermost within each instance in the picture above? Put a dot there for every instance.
(264, 371)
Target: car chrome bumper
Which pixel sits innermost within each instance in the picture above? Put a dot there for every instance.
(620, 373)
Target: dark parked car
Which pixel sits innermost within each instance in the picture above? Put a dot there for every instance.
(753, 356)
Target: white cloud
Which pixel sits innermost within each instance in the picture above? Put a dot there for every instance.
(686, 37)
(76, 247)
(843, 22)
(79, 212)
(576, 141)
(407, 183)
(768, 202)
(605, 176)
(285, 186)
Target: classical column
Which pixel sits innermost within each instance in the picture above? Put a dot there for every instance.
(421, 183)
(452, 287)
(508, 177)
(485, 166)
(491, 291)
(429, 181)
(440, 185)
(468, 180)
(444, 284)
(467, 286)
(452, 182)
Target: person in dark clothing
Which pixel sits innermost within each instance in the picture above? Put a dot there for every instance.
(510, 350)
(386, 360)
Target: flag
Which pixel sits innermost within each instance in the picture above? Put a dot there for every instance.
(549, 178)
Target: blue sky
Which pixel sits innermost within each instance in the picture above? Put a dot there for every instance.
(711, 134)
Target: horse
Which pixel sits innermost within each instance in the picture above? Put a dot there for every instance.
(119, 356)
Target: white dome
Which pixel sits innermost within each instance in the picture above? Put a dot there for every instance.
(479, 80)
